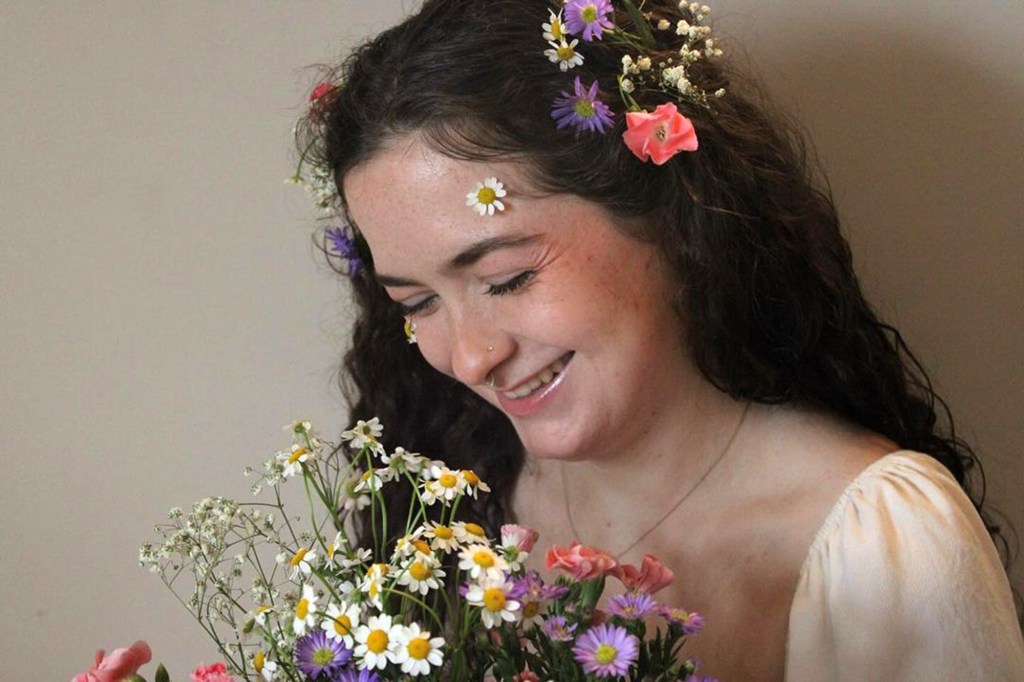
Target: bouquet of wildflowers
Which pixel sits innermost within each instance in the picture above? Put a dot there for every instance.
(291, 600)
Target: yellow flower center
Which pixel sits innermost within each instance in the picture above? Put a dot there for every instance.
(486, 195)
(589, 14)
(418, 648)
(471, 477)
(474, 529)
(556, 29)
(483, 559)
(565, 53)
(377, 641)
(258, 660)
(605, 654)
(302, 609)
(421, 546)
(418, 571)
(296, 454)
(449, 480)
(530, 609)
(343, 625)
(494, 599)
(443, 532)
(323, 656)
(584, 108)
(297, 558)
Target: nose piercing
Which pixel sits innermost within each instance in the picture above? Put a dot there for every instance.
(490, 349)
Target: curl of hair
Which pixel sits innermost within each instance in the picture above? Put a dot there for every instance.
(773, 310)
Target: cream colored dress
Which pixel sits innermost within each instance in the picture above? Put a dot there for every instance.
(903, 583)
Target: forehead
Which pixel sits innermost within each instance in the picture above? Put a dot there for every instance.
(409, 201)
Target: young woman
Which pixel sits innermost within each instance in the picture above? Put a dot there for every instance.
(635, 317)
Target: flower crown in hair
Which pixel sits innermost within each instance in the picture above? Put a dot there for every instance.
(656, 135)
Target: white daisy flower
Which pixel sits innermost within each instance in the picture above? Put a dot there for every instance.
(365, 433)
(554, 29)
(564, 54)
(357, 558)
(422, 574)
(373, 583)
(401, 459)
(294, 460)
(265, 667)
(374, 478)
(260, 617)
(473, 483)
(441, 537)
(302, 562)
(445, 484)
(485, 198)
(491, 594)
(352, 500)
(339, 543)
(481, 561)
(417, 651)
(469, 532)
(305, 611)
(377, 642)
(340, 623)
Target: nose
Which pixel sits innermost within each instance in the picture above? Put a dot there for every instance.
(477, 350)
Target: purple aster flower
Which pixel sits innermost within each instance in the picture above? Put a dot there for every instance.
(692, 623)
(558, 630)
(582, 109)
(316, 654)
(589, 18)
(632, 606)
(344, 244)
(357, 676)
(606, 650)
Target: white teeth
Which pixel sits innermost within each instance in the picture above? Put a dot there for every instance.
(543, 377)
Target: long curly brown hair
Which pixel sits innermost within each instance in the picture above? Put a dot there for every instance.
(774, 311)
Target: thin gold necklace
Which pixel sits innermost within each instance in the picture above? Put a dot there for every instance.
(675, 505)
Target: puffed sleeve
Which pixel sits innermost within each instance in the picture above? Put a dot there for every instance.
(902, 582)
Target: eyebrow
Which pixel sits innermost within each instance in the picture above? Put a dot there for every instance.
(465, 258)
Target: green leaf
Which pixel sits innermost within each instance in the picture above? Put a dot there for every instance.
(161, 674)
(643, 29)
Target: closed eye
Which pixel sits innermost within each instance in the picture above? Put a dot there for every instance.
(420, 306)
(509, 286)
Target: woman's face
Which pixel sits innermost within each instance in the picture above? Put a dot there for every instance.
(568, 315)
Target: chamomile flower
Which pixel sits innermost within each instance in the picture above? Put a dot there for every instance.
(422, 574)
(473, 483)
(441, 537)
(260, 617)
(481, 561)
(564, 54)
(354, 500)
(486, 196)
(301, 562)
(554, 30)
(418, 651)
(467, 531)
(340, 622)
(373, 478)
(377, 642)
(305, 611)
(264, 666)
(403, 460)
(337, 544)
(445, 485)
(373, 583)
(294, 460)
(492, 595)
(365, 434)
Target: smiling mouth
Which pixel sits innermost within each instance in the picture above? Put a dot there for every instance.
(542, 378)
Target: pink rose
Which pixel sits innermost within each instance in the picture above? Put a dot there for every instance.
(211, 673)
(522, 537)
(216, 672)
(119, 665)
(660, 134)
(580, 562)
(649, 578)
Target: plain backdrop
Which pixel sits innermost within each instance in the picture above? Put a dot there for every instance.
(164, 312)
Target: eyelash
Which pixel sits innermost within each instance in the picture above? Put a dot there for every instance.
(503, 289)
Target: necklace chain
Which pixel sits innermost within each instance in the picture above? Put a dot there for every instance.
(675, 505)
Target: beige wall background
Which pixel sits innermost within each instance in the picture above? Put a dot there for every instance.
(163, 312)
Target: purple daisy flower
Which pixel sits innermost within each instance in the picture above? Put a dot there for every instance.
(588, 18)
(357, 676)
(606, 650)
(691, 622)
(557, 629)
(632, 606)
(582, 109)
(344, 244)
(316, 654)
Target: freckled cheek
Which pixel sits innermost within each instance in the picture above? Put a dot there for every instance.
(434, 345)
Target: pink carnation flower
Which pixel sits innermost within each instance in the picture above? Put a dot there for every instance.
(660, 134)
(119, 665)
(580, 562)
(216, 672)
(649, 578)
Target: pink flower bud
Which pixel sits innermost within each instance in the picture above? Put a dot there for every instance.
(649, 578)
(522, 537)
